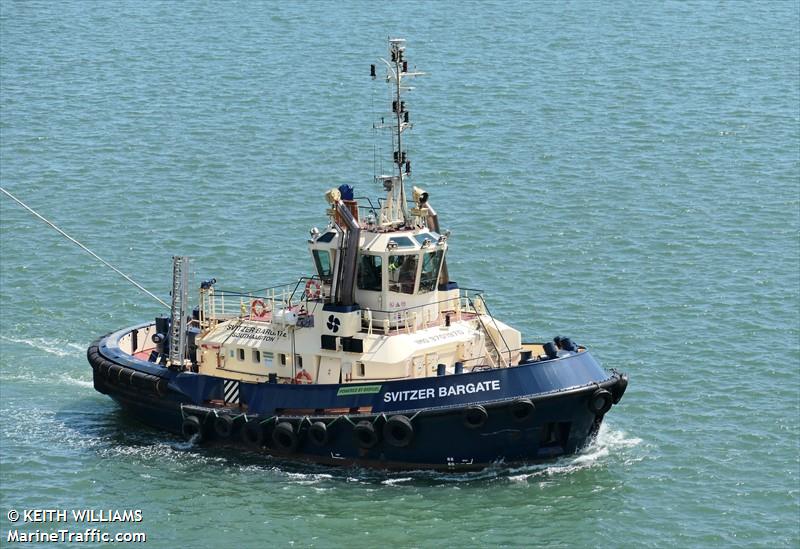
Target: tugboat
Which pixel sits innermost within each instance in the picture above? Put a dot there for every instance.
(379, 359)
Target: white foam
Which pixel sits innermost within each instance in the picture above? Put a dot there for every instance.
(57, 347)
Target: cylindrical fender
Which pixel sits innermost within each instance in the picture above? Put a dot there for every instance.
(619, 388)
(398, 431)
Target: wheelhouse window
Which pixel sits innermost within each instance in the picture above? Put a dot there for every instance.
(401, 242)
(402, 273)
(430, 271)
(370, 276)
(322, 259)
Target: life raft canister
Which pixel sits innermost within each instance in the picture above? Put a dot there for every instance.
(258, 309)
(284, 437)
(398, 431)
(313, 289)
(600, 402)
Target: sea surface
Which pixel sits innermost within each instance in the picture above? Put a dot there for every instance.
(624, 173)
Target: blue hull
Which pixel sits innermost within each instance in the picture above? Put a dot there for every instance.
(531, 412)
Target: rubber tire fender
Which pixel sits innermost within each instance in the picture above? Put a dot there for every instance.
(318, 433)
(364, 434)
(252, 434)
(284, 437)
(522, 409)
(191, 427)
(398, 431)
(223, 426)
(600, 402)
(474, 417)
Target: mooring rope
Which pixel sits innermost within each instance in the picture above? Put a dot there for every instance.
(84, 248)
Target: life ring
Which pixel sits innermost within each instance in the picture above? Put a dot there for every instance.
(258, 309)
(191, 428)
(284, 437)
(398, 431)
(303, 377)
(600, 402)
(313, 289)
(223, 426)
(522, 409)
(475, 416)
(318, 433)
(364, 434)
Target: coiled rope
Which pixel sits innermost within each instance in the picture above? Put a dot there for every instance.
(84, 248)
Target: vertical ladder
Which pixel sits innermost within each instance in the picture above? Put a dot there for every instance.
(180, 302)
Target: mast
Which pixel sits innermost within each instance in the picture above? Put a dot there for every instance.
(395, 209)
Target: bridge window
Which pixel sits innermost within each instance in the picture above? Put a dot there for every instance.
(402, 242)
(256, 356)
(402, 273)
(370, 275)
(240, 352)
(322, 259)
(327, 237)
(430, 271)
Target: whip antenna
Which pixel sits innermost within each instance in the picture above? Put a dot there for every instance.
(84, 248)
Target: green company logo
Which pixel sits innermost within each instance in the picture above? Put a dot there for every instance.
(359, 390)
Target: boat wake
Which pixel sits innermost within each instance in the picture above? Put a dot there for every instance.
(57, 347)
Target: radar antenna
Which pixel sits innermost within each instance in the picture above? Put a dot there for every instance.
(395, 210)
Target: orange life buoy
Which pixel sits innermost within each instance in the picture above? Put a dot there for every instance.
(303, 377)
(258, 309)
(313, 289)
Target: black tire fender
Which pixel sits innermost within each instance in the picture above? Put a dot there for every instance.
(364, 434)
(474, 417)
(253, 434)
(191, 428)
(284, 437)
(522, 409)
(600, 402)
(318, 433)
(223, 426)
(398, 431)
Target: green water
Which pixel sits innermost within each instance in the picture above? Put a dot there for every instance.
(627, 174)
